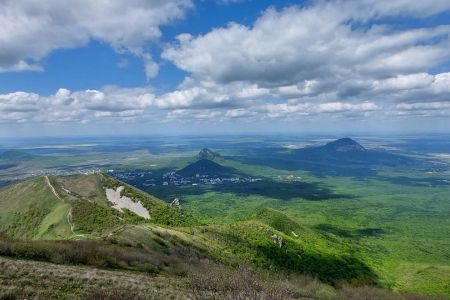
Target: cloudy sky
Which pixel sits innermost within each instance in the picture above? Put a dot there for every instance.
(82, 67)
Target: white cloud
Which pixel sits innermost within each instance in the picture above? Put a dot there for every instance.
(79, 106)
(21, 66)
(189, 114)
(307, 109)
(304, 44)
(32, 29)
(240, 113)
(404, 82)
(423, 106)
(339, 106)
(330, 58)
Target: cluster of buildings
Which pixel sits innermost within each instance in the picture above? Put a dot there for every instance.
(173, 178)
(130, 175)
(4, 180)
(289, 178)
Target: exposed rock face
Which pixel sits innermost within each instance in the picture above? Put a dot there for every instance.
(176, 203)
(120, 202)
(278, 240)
(206, 153)
(345, 145)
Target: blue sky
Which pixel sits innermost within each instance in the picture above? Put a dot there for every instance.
(96, 64)
(181, 66)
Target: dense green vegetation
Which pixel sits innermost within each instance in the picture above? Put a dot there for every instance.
(21, 279)
(93, 218)
(348, 226)
(161, 213)
(395, 222)
(271, 249)
(31, 209)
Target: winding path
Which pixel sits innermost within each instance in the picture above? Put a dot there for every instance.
(69, 215)
(52, 188)
(69, 220)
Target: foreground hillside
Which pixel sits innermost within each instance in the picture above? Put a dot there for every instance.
(200, 279)
(88, 223)
(78, 206)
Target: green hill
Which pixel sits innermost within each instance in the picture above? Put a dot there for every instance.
(80, 207)
(73, 220)
(73, 206)
(206, 167)
(280, 222)
(347, 152)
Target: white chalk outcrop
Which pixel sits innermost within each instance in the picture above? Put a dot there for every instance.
(120, 202)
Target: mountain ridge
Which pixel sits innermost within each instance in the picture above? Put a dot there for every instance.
(65, 207)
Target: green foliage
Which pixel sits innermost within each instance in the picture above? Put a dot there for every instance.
(93, 253)
(171, 216)
(24, 207)
(130, 217)
(396, 222)
(376, 231)
(160, 212)
(26, 224)
(92, 217)
(272, 249)
(280, 221)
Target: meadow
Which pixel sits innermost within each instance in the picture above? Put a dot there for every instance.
(403, 231)
(393, 219)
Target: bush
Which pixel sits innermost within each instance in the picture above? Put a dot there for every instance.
(93, 253)
(112, 294)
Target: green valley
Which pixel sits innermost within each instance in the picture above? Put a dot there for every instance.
(339, 235)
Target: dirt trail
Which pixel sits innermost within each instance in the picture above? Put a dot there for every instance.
(52, 188)
(72, 225)
(69, 220)
(69, 215)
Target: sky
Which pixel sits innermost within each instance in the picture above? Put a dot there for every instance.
(143, 67)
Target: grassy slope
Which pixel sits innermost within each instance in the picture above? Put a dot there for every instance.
(28, 208)
(302, 250)
(401, 228)
(393, 249)
(31, 210)
(152, 262)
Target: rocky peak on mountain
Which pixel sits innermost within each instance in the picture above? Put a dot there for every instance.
(206, 153)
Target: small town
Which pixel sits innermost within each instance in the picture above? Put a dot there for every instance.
(148, 178)
(172, 178)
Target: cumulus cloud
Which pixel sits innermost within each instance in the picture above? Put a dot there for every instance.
(301, 44)
(309, 109)
(79, 106)
(334, 57)
(32, 29)
(337, 58)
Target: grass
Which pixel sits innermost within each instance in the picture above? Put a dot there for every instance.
(260, 244)
(30, 209)
(398, 220)
(90, 275)
(390, 229)
(23, 207)
(23, 279)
